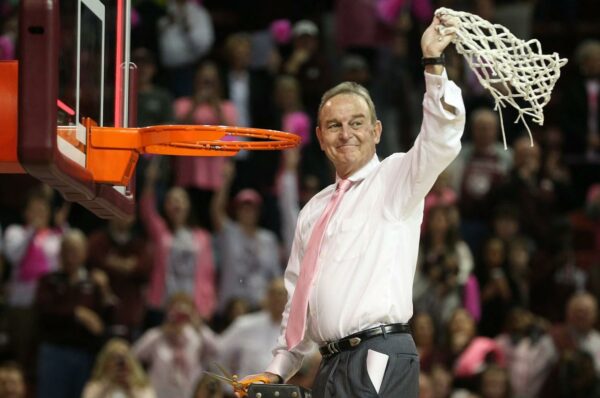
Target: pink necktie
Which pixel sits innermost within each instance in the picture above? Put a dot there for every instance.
(297, 319)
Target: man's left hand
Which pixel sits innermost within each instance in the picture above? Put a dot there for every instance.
(438, 35)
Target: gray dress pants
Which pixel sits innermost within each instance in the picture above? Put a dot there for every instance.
(345, 375)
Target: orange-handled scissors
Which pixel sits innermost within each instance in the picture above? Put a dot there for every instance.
(239, 387)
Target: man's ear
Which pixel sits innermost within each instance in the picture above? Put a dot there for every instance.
(377, 131)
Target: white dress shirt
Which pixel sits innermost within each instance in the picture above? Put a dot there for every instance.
(185, 35)
(369, 251)
(244, 348)
(529, 362)
(239, 92)
(169, 379)
(16, 242)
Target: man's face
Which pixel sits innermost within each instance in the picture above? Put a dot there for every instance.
(11, 384)
(582, 314)
(526, 156)
(73, 254)
(346, 133)
(485, 131)
(240, 53)
(177, 205)
(37, 213)
(248, 214)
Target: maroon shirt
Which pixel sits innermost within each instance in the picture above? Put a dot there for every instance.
(56, 300)
(127, 286)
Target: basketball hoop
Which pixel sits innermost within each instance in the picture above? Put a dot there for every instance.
(112, 152)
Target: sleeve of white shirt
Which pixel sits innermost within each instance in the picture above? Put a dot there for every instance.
(201, 30)
(228, 346)
(411, 175)
(286, 363)
(16, 241)
(145, 347)
(210, 345)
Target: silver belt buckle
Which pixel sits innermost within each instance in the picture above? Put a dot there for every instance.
(332, 348)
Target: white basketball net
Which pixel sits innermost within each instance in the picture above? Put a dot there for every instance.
(511, 69)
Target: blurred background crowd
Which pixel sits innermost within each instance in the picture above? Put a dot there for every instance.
(508, 278)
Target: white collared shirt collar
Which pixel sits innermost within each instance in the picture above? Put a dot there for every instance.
(363, 171)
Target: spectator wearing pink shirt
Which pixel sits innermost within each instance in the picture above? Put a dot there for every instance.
(32, 251)
(471, 354)
(199, 175)
(176, 352)
(183, 256)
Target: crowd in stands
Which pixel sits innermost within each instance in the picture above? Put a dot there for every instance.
(508, 277)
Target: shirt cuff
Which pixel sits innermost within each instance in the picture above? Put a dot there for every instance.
(438, 88)
(284, 364)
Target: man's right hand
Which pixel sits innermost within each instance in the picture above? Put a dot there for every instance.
(241, 388)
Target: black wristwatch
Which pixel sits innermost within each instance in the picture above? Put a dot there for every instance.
(441, 60)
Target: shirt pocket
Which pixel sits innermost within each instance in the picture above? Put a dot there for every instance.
(349, 238)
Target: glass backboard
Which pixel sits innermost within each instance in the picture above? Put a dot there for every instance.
(73, 63)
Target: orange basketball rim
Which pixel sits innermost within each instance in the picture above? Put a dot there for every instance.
(112, 152)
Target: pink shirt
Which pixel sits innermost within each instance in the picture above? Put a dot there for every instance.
(197, 171)
(32, 254)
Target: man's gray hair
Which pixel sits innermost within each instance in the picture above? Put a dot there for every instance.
(349, 88)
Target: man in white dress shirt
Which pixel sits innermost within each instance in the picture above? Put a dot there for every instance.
(242, 345)
(360, 298)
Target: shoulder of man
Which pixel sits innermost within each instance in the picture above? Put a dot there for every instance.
(248, 321)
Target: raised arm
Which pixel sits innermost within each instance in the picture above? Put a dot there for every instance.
(412, 174)
(154, 223)
(218, 205)
(205, 295)
(287, 191)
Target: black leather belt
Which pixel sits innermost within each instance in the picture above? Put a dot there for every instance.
(354, 340)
